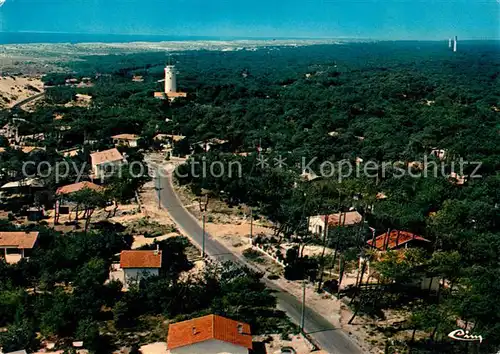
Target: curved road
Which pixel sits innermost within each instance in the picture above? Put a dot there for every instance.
(27, 100)
(330, 339)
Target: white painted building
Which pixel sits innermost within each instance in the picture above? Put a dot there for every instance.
(318, 223)
(15, 245)
(129, 140)
(104, 163)
(139, 264)
(211, 346)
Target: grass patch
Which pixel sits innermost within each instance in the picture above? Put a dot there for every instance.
(253, 255)
(149, 228)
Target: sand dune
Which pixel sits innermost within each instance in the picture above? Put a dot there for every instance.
(15, 89)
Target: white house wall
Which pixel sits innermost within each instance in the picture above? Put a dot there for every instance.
(210, 347)
(134, 274)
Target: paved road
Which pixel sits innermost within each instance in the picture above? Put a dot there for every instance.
(330, 339)
(27, 100)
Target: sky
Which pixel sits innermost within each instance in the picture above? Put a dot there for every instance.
(374, 19)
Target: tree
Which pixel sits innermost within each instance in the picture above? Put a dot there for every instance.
(90, 200)
(88, 332)
(19, 336)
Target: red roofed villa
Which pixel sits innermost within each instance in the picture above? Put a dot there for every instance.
(139, 264)
(15, 245)
(209, 334)
(395, 240)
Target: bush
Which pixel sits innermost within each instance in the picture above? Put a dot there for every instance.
(253, 255)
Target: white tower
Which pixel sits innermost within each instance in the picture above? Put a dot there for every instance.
(170, 79)
(455, 44)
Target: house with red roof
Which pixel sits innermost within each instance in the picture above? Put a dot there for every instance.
(138, 264)
(15, 245)
(63, 204)
(211, 334)
(400, 241)
(396, 239)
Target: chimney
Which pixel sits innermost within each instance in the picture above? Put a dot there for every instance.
(157, 251)
(194, 331)
(449, 43)
(240, 328)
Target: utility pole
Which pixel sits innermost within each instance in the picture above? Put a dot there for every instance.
(303, 312)
(158, 188)
(203, 209)
(251, 226)
(203, 242)
(322, 262)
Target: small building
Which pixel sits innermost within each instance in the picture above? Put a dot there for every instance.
(171, 96)
(457, 179)
(395, 239)
(208, 144)
(309, 176)
(30, 149)
(137, 78)
(71, 152)
(209, 334)
(15, 245)
(83, 98)
(381, 196)
(138, 264)
(9, 130)
(318, 223)
(25, 187)
(439, 153)
(104, 163)
(24, 149)
(167, 141)
(168, 137)
(129, 140)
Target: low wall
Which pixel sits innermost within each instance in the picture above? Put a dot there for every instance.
(260, 249)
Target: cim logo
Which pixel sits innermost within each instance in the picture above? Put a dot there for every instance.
(465, 336)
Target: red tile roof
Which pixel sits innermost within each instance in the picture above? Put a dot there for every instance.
(19, 239)
(348, 218)
(140, 259)
(110, 155)
(395, 239)
(75, 187)
(207, 328)
(126, 137)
